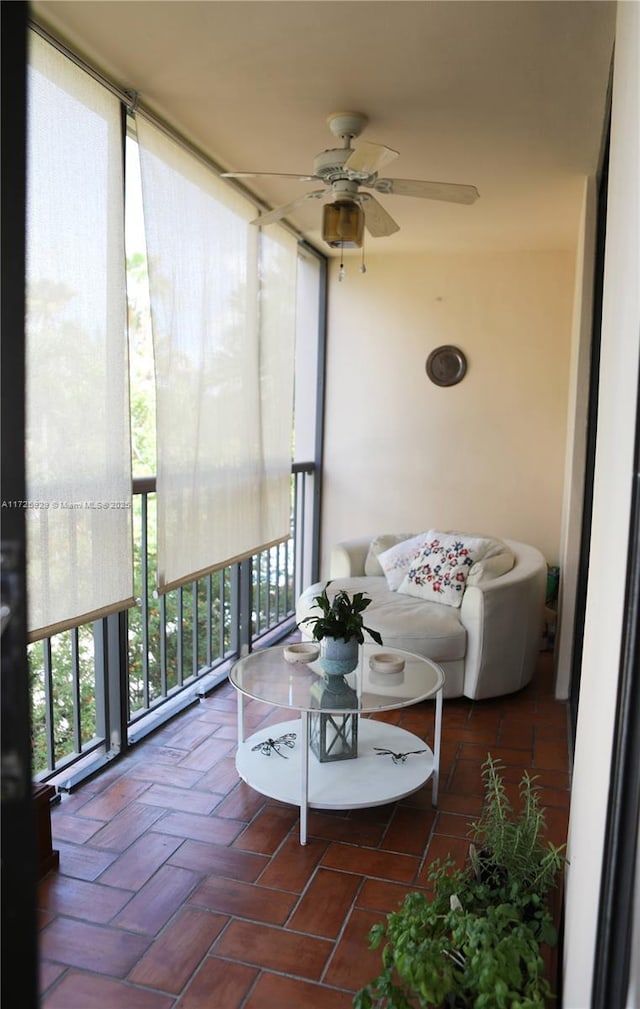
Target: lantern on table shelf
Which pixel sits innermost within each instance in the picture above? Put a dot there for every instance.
(334, 736)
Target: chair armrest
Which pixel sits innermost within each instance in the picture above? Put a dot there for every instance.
(347, 558)
(503, 618)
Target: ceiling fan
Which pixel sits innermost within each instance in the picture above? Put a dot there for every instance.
(342, 171)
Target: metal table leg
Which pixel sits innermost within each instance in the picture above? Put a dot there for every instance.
(436, 746)
(304, 783)
(240, 713)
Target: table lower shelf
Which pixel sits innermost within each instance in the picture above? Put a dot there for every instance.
(368, 780)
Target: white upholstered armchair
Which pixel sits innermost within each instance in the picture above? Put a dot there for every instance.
(487, 643)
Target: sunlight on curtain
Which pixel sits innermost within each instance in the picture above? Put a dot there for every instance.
(222, 309)
(277, 329)
(79, 541)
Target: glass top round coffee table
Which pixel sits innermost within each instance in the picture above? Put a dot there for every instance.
(330, 757)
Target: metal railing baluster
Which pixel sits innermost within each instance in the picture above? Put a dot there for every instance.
(195, 630)
(209, 620)
(48, 702)
(75, 674)
(163, 640)
(144, 593)
(268, 584)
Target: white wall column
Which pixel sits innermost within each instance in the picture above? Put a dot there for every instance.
(617, 418)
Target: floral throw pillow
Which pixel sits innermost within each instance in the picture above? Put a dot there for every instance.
(396, 561)
(440, 569)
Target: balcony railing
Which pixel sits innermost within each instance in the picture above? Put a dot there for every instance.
(98, 688)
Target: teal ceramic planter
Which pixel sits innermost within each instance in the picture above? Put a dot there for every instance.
(337, 656)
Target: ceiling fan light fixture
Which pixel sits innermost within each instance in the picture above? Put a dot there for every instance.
(344, 170)
(343, 224)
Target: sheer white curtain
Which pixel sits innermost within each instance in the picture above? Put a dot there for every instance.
(79, 540)
(222, 308)
(277, 328)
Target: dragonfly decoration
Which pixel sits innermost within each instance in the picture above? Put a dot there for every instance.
(269, 746)
(398, 758)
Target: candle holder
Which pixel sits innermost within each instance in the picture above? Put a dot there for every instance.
(333, 736)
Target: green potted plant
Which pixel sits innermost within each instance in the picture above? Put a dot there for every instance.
(475, 942)
(340, 628)
(508, 847)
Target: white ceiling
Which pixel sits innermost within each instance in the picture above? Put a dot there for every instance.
(508, 96)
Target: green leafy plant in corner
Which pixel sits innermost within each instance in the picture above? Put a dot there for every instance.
(475, 941)
(454, 950)
(340, 617)
(508, 847)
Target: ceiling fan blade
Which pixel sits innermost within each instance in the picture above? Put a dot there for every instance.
(273, 175)
(451, 192)
(279, 212)
(378, 222)
(367, 159)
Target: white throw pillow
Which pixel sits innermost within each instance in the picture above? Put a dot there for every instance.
(440, 570)
(491, 566)
(396, 561)
(377, 546)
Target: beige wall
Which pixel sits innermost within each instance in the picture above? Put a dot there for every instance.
(486, 455)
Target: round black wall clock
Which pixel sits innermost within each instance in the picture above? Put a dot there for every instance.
(446, 365)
